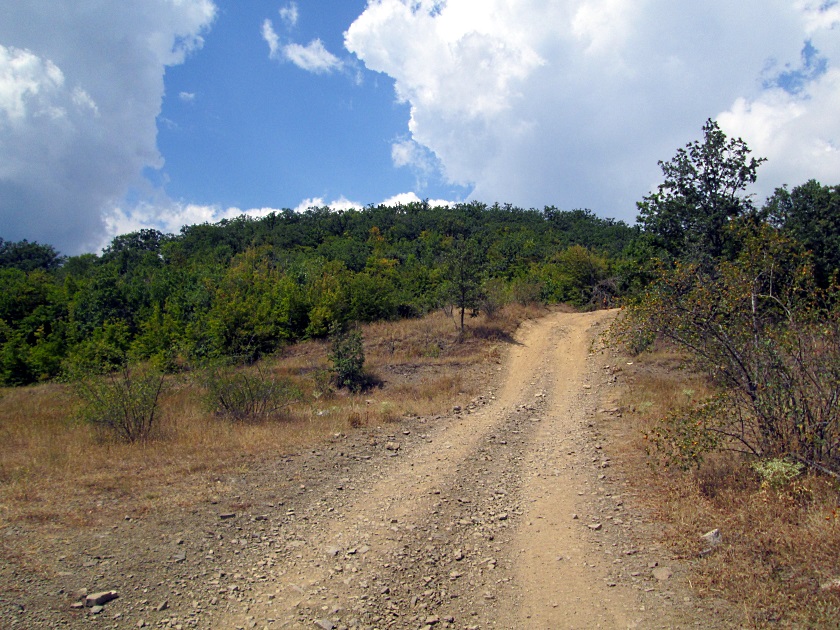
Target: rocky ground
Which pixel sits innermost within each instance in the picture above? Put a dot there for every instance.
(505, 513)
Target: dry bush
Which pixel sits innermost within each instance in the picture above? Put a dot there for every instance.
(245, 393)
(780, 544)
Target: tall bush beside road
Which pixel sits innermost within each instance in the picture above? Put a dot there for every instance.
(759, 327)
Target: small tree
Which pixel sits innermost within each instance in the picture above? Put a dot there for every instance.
(704, 189)
(464, 264)
(348, 359)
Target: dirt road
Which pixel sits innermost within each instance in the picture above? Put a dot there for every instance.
(501, 516)
(505, 513)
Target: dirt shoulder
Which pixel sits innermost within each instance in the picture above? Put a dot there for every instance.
(505, 513)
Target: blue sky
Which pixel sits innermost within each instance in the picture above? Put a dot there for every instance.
(160, 113)
(282, 134)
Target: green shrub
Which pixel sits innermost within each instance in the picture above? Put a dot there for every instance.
(348, 360)
(777, 473)
(322, 386)
(245, 393)
(124, 402)
(766, 337)
(494, 297)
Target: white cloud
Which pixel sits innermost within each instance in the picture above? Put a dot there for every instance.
(573, 102)
(168, 217)
(187, 97)
(342, 203)
(31, 86)
(419, 159)
(411, 197)
(271, 38)
(409, 153)
(289, 14)
(313, 57)
(798, 133)
(80, 89)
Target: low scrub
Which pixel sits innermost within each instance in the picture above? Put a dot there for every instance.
(768, 340)
(123, 403)
(246, 393)
(778, 520)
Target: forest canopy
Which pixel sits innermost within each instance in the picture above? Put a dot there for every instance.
(242, 288)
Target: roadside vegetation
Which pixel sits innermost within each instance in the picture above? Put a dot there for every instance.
(744, 301)
(57, 469)
(238, 290)
(132, 374)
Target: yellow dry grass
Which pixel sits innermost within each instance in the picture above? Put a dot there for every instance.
(779, 546)
(57, 472)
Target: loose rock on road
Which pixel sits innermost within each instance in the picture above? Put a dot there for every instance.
(503, 515)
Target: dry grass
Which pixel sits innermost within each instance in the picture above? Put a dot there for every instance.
(779, 546)
(56, 472)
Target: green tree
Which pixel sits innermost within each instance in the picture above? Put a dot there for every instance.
(256, 308)
(463, 287)
(28, 256)
(347, 356)
(572, 276)
(704, 190)
(810, 213)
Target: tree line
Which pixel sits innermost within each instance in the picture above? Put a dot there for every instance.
(242, 288)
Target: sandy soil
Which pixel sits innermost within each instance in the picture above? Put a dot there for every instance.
(505, 513)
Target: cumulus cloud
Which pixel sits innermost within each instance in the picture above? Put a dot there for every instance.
(80, 89)
(168, 217)
(573, 102)
(403, 199)
(342, 203)
(794, 122)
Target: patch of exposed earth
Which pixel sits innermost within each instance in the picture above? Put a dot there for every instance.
(504, 513)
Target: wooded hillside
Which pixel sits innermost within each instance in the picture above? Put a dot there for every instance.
(245, 287)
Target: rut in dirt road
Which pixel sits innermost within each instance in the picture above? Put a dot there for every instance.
(485, 519)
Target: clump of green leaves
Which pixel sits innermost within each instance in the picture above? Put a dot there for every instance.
(246, 394)
(124, 402)
(766, 336)
(777, 473)
(347, 356)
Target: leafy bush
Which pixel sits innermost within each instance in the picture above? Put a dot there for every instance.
(777, 473)
(760, 329)
(322, 384)
(125, 402)
(245, 393)
(527, 291)
(347, 356)
(494, 297)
